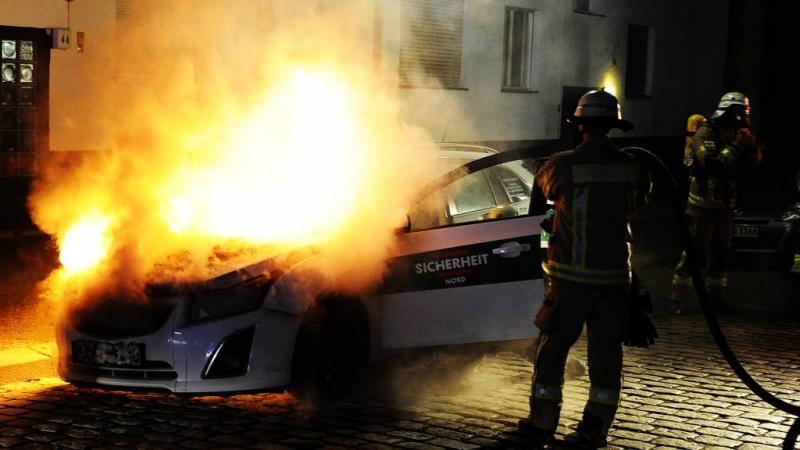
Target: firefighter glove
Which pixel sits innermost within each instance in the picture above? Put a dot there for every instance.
(641, 330)
(547, 224)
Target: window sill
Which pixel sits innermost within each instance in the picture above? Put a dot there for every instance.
(513, 90)
(444, 88)
(588, 13)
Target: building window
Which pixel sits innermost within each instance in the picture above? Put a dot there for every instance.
(639, 65)
(430, 43)
(584, 7)
(518, 50)
(581, 6)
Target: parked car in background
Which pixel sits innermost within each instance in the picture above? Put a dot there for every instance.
(766, 233)
(466, 269)
(766, 239)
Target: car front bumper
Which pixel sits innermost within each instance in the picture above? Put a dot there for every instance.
(177, 357)
(764, 243)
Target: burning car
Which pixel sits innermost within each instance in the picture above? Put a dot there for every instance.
(465, 269)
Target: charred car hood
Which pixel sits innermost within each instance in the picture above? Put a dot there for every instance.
(116, 317)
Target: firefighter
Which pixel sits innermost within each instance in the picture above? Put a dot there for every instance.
(596, 189)
(720, 149)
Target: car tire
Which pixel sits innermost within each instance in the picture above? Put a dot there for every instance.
(331, 347)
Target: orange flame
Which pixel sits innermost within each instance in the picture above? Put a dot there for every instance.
(85, 244)
(300, 142)
(308, 129)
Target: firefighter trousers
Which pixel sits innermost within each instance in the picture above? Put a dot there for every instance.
(712, 235)
(604, 311)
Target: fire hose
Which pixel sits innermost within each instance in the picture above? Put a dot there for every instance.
(705, 304)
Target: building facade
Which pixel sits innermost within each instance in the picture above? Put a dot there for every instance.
(504, 72)
(523, 63)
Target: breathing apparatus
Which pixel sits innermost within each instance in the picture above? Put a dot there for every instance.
(693, 124)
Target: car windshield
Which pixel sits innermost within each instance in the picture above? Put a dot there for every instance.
(765, 197)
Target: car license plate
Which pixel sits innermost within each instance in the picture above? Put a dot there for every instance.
(746, 231)
(99, 353)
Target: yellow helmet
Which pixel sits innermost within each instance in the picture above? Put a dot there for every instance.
(694, 123)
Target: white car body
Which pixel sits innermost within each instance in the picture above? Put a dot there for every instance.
(475, 279)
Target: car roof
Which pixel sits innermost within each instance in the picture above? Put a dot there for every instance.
(476, 151)
(452, 155)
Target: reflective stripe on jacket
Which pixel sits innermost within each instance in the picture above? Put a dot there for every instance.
(596, 189)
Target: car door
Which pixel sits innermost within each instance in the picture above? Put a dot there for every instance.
(468, 269)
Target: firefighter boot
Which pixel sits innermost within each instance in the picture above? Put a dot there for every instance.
(796, 267)
(540, 426)
(681, 291)
(537, 437)
(589, 433)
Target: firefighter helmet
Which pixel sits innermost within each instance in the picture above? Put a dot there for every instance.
(733, 109)
(694, 123)
(600, 105)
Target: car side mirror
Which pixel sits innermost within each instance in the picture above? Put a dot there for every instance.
(405, 228)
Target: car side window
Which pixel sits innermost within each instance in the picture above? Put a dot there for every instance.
(493, 193)
(472, 193)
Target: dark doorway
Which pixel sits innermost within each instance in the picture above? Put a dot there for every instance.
(24, 118)
(569, 100)
(24, 77)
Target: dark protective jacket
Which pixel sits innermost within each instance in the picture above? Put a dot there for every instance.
(717, 155)
(596, 189)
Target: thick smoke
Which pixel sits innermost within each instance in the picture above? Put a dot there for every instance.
(240, 129)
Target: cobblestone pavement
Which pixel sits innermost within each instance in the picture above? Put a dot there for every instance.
(678, 394)
(24, 319)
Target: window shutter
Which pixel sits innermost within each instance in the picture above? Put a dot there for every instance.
(581, 6)
(430, 43)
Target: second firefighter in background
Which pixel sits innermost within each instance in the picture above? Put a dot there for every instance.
(716, 155)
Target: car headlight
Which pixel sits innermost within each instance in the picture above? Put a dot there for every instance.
(239, 298)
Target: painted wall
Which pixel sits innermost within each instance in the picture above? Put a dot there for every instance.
(574, 50)
(74, 99)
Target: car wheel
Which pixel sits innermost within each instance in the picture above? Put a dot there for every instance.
(331, 347)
